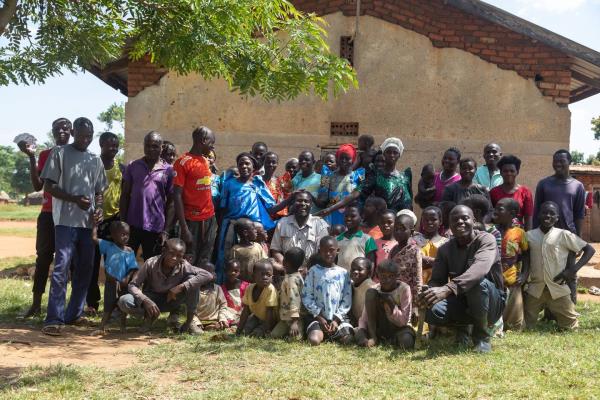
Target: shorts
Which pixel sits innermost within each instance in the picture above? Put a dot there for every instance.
(344, 328)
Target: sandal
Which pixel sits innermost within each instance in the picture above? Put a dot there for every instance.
(594, 291)
(52, 330)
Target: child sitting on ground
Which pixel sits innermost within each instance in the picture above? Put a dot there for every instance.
(211, 312)
(549, 249)
(407, 255)
(248, 251)
(387, 311)
(327, 296)
(260, 302)
(360, 273)
(515, 260)
(354, 242)
(371, 214)
(426, 190)
(120, 265)
(290, 301)
(233, 290)
(387, 242)
(430, 240)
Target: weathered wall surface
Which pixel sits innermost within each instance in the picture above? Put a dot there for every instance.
(431, 98)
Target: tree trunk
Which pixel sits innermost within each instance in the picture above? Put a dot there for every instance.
(7, 12)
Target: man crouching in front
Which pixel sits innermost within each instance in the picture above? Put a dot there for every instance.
(163, 284)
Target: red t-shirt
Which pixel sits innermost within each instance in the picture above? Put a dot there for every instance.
(47, 199)
(522, 195)
(193, 175)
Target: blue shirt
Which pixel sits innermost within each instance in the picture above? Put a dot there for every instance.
(482, 177)
(327, 292)
(247, 200)
(117, 262)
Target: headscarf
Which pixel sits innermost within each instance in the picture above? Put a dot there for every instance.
(347, 148)
(250, 156)
(408, 212)
(393, 142)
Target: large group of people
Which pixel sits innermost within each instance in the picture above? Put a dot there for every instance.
(330, 249)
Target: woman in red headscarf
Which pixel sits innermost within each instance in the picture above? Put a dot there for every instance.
(340, 183)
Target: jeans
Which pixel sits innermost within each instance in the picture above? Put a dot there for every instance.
(44, 248)
(481, 306)
(129, 305)
(71, 244)
(148, 240)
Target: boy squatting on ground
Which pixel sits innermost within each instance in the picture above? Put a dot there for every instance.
(327, 296)
(120, 265)
(290, 301)
(550, 271)
(260, 302)
(387, 311)
(163, 284)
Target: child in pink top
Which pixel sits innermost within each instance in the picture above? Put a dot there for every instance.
(233, 289)
(387, 242)
(448, 175)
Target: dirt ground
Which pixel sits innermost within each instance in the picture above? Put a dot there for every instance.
(13, 246)
(23, 346)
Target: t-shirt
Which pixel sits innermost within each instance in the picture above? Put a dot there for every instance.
(149, 192)
(482, 177)
(193, 175)
(358, 297)
(47, 199)
(118, 262)
(247, 256)
(457, 193)
(383, 250)
(568, 194)
(268, 298)
(79, 173)
(358, 245)
(374, 232)
(112, 194)
(522, 195)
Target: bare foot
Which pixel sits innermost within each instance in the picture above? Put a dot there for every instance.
(371, 343)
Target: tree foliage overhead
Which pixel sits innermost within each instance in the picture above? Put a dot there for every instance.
(260, 47)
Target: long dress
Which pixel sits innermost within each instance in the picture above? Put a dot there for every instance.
(241, 200)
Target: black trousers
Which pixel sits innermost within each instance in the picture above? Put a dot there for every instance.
(147, 240)
(44, 248)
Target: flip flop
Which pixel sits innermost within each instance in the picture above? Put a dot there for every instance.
(594, 290)
(52, 330)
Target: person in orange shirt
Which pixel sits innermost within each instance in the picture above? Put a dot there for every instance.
(194, 207)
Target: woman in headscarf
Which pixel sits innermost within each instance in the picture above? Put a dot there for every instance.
(244, 196)
(336, 187)
(389, 183)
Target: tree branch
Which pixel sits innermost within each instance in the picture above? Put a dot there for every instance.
(7, 12)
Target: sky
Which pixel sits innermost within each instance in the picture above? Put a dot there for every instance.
(33, 108)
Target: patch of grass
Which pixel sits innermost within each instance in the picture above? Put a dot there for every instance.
(15, 212)
(19, 232)
(543, 363)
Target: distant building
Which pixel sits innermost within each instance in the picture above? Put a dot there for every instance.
(589, 175)
(436, 73)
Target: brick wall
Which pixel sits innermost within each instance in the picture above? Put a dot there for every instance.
(447, 26)
(141, 74)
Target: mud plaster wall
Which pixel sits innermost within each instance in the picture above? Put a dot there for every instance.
(432, 98)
